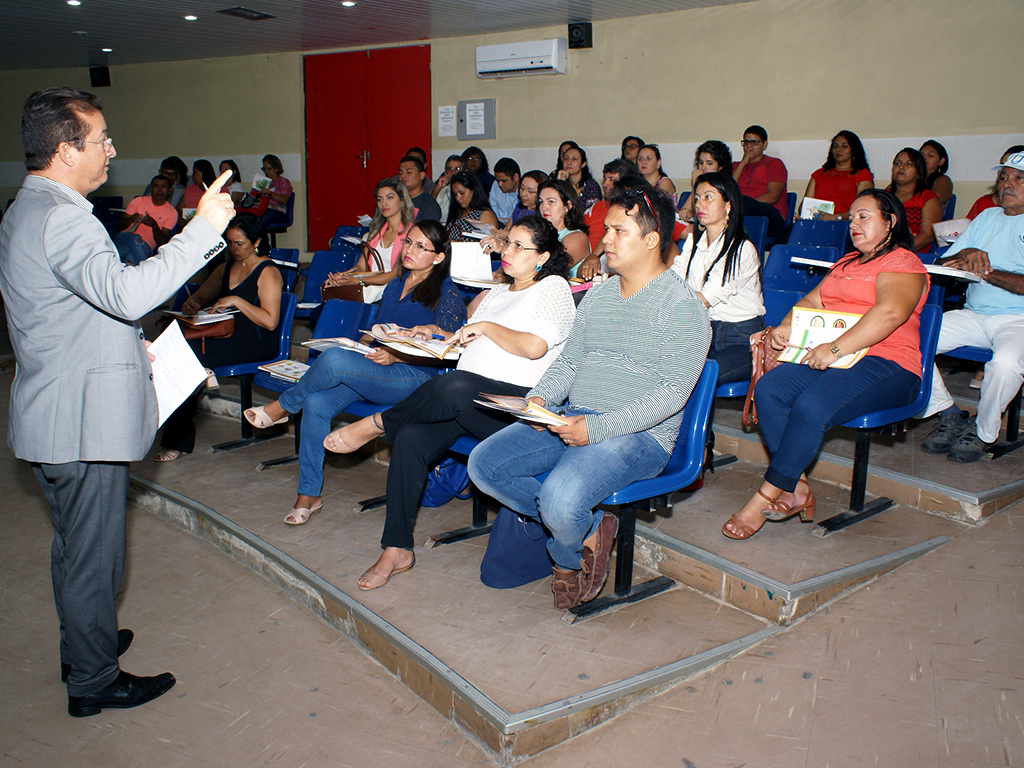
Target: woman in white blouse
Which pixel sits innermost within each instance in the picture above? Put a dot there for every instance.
(721, 264)
(515, 332)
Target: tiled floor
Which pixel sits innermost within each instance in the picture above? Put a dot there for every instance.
(922, 668)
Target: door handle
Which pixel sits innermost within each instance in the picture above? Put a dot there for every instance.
(365, 156)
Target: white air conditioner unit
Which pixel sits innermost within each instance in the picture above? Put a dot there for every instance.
(532, 57)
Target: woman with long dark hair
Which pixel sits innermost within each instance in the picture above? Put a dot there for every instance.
(648, 159)
(719, 262)
(844, 175)
(469, 205)
(711, 156)
(884, 282)
(576, 171)
(921, 205)
(936, 160)
(515, 332)
(202, 177)
(422, 295)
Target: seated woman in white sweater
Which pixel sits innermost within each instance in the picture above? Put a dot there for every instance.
(515, 332)
(721, 264)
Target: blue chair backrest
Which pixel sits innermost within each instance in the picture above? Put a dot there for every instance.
(778, 303)
(790, 208)
(688, 453)
(683, 197)
(949, 209)
(346, 231)
(823, 234)
(780, 275)
(289, 212)
(757, 231)
(343, 318)
(325, 262)
(289, 274)
(287, 318)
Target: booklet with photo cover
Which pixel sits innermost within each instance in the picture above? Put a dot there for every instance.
(321, 345)
(288, 370)
(521, 408)
(812, 327)
(433, 347)
(204, 316)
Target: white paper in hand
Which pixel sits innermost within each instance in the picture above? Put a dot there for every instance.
(176, 370)
(469, 261)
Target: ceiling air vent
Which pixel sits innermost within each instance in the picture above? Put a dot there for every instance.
(246, 13)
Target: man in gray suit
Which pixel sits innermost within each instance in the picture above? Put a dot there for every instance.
(83, 403)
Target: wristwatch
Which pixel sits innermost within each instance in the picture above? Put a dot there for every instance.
(834, 349)
(362, 283)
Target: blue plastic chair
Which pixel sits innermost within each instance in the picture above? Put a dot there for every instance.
(949, 209)
(681, 200)
(246, 372)
(338, 244)
(324, 262)
(892, 421)
(275, 229)
(781, 275)
(778, 303)
(289, 273)
(821, 234)
(757, 231)
(790, 208)
(683, 468)
(1013, 440)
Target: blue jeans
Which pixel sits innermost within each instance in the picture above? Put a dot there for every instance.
(132, 248)
(797, 405)
(506, 464)
(336, 379)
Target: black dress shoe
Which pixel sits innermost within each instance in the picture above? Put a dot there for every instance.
(125, 692)
(124, 641)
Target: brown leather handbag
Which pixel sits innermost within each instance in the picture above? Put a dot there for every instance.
(221, 330)
(763, 359)
(353, 292)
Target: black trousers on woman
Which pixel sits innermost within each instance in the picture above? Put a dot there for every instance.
(421, 428)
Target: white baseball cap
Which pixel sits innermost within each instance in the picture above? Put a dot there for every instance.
(1015, 161)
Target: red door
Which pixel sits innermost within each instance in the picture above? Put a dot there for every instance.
(363, 110)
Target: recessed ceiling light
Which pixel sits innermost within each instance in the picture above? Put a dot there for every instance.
(74, 2)
(79, 32)
(108, 50)
(349, 4)
(191, 18)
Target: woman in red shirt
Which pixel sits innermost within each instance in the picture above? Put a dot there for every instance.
(844, 174)
(922, 206)
(886, 283)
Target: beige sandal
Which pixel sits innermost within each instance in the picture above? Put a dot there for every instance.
(167, 455)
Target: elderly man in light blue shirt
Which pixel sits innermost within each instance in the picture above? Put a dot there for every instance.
(992, 247)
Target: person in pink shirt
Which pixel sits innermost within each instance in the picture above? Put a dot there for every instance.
(762, 181)
(147, 223)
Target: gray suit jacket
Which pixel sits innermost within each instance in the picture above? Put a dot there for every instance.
(83, 387)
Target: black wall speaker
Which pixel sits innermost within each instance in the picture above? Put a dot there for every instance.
(581, 35)
(99, 77)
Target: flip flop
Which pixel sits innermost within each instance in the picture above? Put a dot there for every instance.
(386, 578)
(299, 515)
(258, 418)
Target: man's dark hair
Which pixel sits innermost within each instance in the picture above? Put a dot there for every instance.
(650, 208)
(459, 158)
(507, 166)
(164, 179)
(622, 167)
(413, 159)
(758, 131)
(417, 150)
(52, 116)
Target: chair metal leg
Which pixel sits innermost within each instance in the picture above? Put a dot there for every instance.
(625, 593)
(858, 489)
(1013, 440)
(280, 462)
(245, 384)
(480, 526)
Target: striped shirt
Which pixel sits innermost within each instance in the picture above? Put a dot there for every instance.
(635, 361)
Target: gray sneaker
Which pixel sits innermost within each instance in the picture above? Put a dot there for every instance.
(946, 432)
(968, 446)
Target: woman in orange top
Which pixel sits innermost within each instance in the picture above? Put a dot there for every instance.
(844, 175)
(797, 403)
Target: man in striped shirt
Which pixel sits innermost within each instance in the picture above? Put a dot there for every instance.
(635, 353)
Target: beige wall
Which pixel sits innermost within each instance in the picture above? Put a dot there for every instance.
(802, 68)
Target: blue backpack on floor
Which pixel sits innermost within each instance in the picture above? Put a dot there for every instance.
(517, 552)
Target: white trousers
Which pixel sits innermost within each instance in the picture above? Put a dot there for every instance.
(1004, 335)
